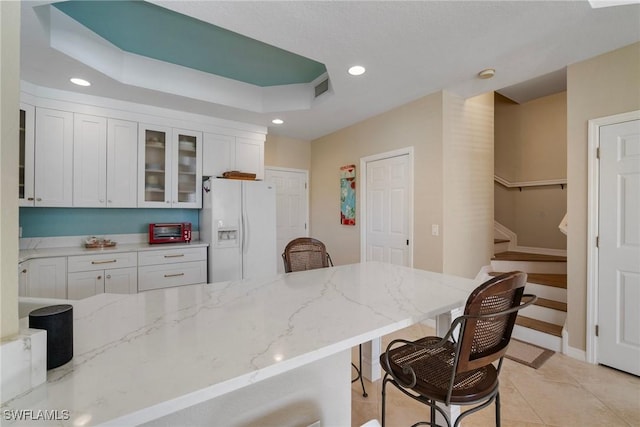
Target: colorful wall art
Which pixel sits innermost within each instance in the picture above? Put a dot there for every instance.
(348, 195)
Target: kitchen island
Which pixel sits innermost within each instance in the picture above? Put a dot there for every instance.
(196, 351)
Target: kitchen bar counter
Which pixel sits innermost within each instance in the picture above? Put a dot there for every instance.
(49, 252)
(138, 358)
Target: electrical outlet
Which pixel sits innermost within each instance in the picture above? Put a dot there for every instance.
(435, 230)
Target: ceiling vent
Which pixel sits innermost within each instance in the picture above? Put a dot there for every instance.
(322, 87)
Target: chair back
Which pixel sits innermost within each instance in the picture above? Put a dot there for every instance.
(484, 338)
(305, 253)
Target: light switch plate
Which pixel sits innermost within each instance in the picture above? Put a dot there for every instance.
(435, 230)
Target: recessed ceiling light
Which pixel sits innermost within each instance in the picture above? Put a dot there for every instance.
(277, 121)
(357, 70)
(79, 82)
(487, 74)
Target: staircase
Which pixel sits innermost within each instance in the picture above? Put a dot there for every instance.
(540, 324)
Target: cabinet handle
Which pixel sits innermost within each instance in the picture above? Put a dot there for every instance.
(174, 256)
(30, 199)
(39, 199)
(108, 276)
(109, 201)
(24, 271)
(174, 275)
(99, 277)
(101, 200)
(111, 261)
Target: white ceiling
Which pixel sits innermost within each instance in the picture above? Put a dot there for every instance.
(410, 49)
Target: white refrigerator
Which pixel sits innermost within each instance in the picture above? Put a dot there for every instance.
(238, 221)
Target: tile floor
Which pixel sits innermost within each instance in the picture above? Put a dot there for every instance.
(563, 392)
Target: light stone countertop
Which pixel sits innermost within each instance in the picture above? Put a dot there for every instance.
(47, 252)
(139, 357)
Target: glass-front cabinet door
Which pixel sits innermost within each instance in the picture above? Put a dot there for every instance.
(170, 167)
(26, 141)
(154, 168)
(187, 185)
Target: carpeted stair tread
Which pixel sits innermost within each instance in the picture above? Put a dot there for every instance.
(522, 256)
(539, 325)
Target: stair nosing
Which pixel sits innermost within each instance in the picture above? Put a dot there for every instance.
(528, 257)
(552, 280)
(539, 325)
(551, 304)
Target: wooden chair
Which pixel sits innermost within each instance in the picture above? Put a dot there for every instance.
(458, 369)
(306, 253)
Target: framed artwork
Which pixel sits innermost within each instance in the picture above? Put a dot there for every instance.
(348, 195)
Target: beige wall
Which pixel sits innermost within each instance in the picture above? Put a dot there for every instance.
(602, 86)
(284, 152)
(417, 124)
(453, 180)
(468, 184)
(9, 122)
(530, 145)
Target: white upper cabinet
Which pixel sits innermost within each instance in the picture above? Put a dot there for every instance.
(89, 161)
(170, 167)
(218, 154)
(122, 164)
(224, 153)
(26, 141)
(105, 153)
(53, 158)
(250, 156)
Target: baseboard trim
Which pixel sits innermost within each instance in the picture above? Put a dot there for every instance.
(576, 353)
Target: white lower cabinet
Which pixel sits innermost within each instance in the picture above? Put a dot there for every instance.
(166, 268)
(77, 277)
(94, 274)
(84, 284)
(43, 278)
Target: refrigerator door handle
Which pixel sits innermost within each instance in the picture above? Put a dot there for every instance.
(243, 230)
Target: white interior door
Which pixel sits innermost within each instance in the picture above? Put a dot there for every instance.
(292, 206)
(387, 221)
(619, 247)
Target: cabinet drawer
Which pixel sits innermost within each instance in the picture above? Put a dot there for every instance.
(168, 275)
(167, 256)
(101, 261)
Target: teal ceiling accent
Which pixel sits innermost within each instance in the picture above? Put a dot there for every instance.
(149, 30)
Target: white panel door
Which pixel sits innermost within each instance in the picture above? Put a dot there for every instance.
(387, 210)
(54, 158)
(619, 247)
(89, 161)
(291, 206)
(122, 164)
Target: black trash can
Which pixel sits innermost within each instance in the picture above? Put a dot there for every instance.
(57, 320)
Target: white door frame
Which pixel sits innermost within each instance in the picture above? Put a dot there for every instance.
(363, 197)
(592, 224)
